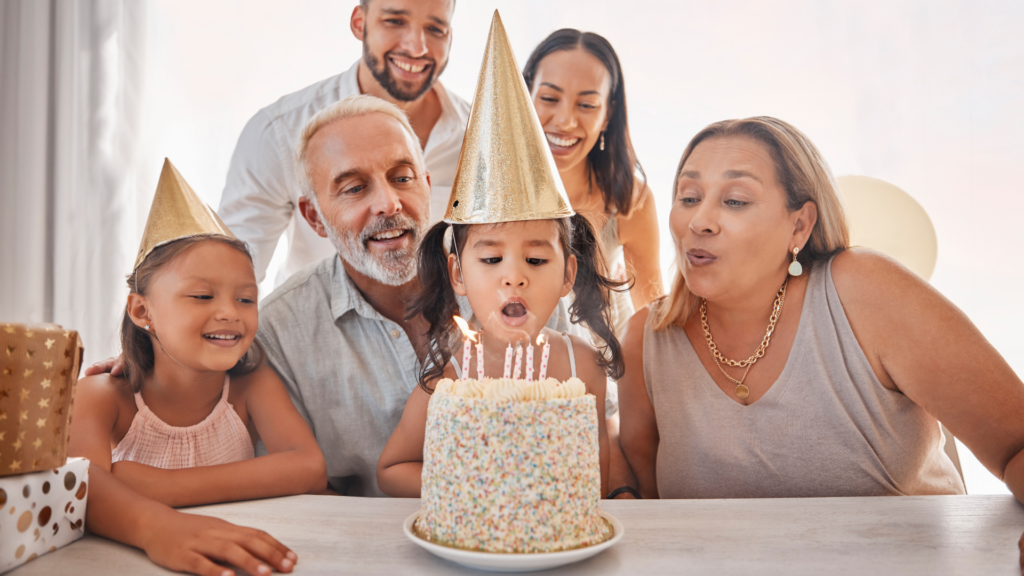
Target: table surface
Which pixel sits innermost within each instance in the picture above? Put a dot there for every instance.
(931, 535)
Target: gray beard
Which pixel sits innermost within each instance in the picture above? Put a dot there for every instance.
(393, 268)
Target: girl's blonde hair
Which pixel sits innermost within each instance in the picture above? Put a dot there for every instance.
(805, 177)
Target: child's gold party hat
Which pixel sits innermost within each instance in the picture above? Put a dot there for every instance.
(177, 213)
(506, 172)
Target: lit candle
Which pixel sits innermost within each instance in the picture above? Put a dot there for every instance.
(529, 363)
(519, 361)
(544, 356)
(469, 335)
(480, 359)
(508, 361)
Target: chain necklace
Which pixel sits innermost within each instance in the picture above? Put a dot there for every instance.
(741, 390)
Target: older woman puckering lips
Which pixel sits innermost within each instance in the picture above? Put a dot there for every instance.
(784, 363)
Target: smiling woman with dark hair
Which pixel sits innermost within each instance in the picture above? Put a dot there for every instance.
(785, 364)
(579, 93)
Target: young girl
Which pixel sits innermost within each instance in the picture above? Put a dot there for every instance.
(180, 425)
(513, 274)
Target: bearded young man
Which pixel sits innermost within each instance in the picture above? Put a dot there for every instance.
(405, 49)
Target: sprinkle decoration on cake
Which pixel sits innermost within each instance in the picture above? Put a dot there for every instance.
(512, 466)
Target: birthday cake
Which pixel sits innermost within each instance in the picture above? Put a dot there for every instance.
(512, 466)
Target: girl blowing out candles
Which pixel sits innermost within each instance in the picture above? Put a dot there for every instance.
(512, 244)
(513, 275)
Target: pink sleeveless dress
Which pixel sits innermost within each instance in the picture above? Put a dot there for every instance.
(220, 438)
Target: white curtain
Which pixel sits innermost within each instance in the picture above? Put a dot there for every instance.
(70, 80)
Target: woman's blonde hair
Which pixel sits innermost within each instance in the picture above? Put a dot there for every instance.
(803, 174)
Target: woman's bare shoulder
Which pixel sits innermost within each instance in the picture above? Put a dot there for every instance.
(867, 277)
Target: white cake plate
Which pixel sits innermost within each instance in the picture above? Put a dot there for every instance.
(494, 562)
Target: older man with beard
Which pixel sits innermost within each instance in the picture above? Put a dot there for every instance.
(336, 332)
(405, 49)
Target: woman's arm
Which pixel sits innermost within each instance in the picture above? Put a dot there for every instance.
(294, 464)
(920, 344)
(638, 233)
(619, 473)
(400, 466)
(183, 542)
(638, 430)
(597, 384)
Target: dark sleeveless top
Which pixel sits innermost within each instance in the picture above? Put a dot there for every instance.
(826, 427)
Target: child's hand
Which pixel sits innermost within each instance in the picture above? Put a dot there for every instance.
(192, 543)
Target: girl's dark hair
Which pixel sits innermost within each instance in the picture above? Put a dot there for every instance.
(613, 168)
(136, 344)
(591, 303)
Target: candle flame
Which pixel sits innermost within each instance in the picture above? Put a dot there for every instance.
(541, 339)
(464, 326)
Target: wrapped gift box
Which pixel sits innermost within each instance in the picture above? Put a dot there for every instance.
(38, 372)
(42, 511)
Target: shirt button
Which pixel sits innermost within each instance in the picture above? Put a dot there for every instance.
(395, 333)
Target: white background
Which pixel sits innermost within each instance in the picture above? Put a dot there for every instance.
(925, 94)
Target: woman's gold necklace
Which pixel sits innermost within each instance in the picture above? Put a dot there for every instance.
(741, 390)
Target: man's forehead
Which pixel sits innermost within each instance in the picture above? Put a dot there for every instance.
(366, 142)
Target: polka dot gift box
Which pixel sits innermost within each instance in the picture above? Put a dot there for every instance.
(38, 371)
(42, 511)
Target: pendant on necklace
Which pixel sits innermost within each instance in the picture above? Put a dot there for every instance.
(742, 392)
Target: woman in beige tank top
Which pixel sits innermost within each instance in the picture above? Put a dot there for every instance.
(864, 357)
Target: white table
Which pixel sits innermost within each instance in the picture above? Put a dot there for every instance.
(931, 535)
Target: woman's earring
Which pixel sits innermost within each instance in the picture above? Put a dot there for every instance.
(602, 141)
(147, 328)
(795, 269)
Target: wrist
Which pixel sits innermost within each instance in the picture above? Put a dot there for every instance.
(147, 519)
(624, 490)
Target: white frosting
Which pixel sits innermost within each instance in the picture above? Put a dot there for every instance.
(509, 389)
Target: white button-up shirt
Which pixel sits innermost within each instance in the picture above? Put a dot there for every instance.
(261, 195)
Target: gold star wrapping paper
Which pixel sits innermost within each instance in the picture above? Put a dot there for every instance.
(42, 511)
(38, 371)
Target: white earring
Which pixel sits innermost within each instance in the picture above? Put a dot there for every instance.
(602, 141)
(795, 269)
(147, 328)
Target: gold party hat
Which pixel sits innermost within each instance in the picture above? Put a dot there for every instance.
(177, 213)
(506, 172)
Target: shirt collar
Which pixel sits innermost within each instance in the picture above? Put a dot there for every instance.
(345, 297)
(449, 121)
(350, 80)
